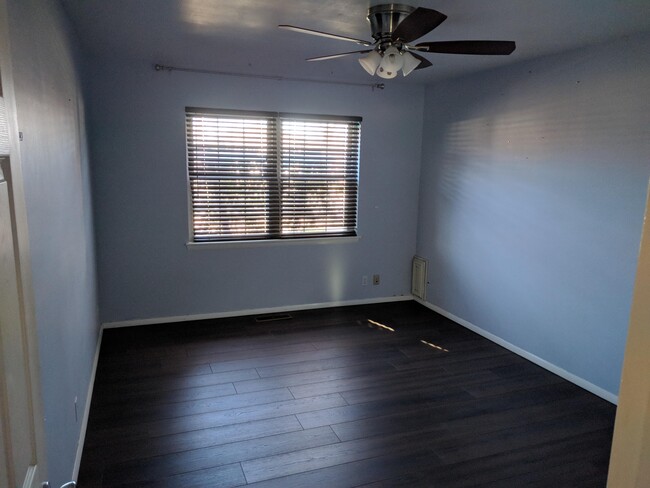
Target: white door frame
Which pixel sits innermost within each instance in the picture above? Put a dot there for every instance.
(23, 266)
(630, 460)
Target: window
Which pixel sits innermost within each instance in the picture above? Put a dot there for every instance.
(261, 175)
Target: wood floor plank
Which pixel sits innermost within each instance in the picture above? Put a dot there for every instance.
(108, 396)
(130, 386)
(502, 386)
(196, 439)
(524, 436)
(282, 465)
(298, 357)
(330, 399)
(237, 344)
(143, 412)
(154, 369)
(427, 358)
(399, 405)
(504, 469)
(387, 376)
(208, 420)
(578, 474)
(420, 385)
(436, 417)
(313, 365)
(311, 377)
(149, 470)
(355, 473)
(180, 357)
(228, 476)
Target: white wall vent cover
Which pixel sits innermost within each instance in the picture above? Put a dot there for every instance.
(419, 278)
(4, 130)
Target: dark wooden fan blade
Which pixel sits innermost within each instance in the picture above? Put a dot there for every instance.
(424, 62)
(469, 47)
(340, 55)
(418, 23)
(324, 34)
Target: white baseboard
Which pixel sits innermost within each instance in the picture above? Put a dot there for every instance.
(86, 414)
(254, 311)
(577, 380)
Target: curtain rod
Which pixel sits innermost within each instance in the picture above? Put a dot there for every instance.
(162, 67)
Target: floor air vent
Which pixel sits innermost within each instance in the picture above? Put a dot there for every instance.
(419, 278)
(271, 317)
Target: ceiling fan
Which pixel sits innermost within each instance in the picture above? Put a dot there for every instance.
(394, 27)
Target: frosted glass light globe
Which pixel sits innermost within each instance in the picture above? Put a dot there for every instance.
(370, 62)
(392, 60)
(410, 63)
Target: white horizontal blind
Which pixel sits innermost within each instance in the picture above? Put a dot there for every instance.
(260, 175)
(319, 166)
(232, 172)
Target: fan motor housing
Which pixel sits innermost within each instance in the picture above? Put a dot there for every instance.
(384, 19)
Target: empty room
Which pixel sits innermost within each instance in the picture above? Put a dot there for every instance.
(303, 243)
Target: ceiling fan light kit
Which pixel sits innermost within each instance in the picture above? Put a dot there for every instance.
(370, 62)
(394, 27)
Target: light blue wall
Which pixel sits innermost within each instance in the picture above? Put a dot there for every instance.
(139, 183)
(531, 201)
(50, 112)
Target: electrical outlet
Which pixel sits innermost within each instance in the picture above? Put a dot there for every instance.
(364, 280)
(375, 279)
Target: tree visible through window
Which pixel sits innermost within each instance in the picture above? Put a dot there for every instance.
(260, 175)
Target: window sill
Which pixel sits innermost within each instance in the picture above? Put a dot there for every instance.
(201, 246)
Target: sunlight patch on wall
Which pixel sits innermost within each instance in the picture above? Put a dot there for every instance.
(568, 119)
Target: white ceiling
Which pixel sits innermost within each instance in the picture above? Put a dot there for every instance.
(241, 36)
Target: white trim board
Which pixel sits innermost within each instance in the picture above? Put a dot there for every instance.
(254, 311)
(576, 380)
(86, 414)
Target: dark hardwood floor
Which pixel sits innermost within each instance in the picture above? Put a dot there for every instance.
(330, 398)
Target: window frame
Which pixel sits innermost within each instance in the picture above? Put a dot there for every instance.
(298, 238)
